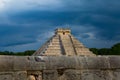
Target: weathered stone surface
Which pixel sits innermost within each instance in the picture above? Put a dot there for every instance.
(38, 63)
(81, 62)
(37, 66)
(20, 63)
(20, 75)
(96, 62)
(114, 62)
(77, 62)
(6, 75)
(60, 68)
(6, 63)
(62, 62)
(50, 75)
(72, 75)
(115, 74)
(95, 75)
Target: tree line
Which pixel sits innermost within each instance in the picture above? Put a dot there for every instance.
(25, 53)
(114, 50)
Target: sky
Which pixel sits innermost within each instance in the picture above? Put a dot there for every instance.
(27, 24)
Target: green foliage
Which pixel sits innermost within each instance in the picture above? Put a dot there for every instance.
(94, 50)
(115, 50)
(25, 53)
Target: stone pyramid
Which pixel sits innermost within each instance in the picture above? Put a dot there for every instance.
(63, 43)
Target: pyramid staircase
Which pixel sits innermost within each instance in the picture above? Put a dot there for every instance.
(63, 43)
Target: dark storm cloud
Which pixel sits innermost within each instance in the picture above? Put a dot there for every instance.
(93, 22)
(105, 24)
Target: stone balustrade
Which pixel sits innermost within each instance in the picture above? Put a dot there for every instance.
(60, 68)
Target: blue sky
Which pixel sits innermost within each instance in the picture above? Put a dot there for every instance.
(26, 24)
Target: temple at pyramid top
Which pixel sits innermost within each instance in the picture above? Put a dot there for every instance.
(63, 43)
(61, 31)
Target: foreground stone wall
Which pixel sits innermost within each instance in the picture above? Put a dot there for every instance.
(59, 68)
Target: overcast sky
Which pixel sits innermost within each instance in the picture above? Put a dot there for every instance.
(26, 24)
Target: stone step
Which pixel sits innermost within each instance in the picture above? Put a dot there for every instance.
(53, 51)
(54, 43)
(86, 53)
(81, 49)
(54, 47)
(79, 46)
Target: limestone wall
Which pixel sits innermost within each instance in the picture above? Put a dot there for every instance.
(59, 68)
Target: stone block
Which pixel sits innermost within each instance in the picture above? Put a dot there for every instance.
(114, 62)
(72, 75)
(20, 75)
(71, 62)
(96, 62)
(21, 63)
(6, 77)
(50, 75)
(95, 75)
(37, 63)
(61, 62)
(115, 74)
(6, 63)
(81, 62)
(37, 66)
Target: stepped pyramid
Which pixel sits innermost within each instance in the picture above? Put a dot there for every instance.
(63, 43)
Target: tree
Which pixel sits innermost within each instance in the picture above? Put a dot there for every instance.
(94, 50)
(25, 53)
(116, 49)
(104, 51)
